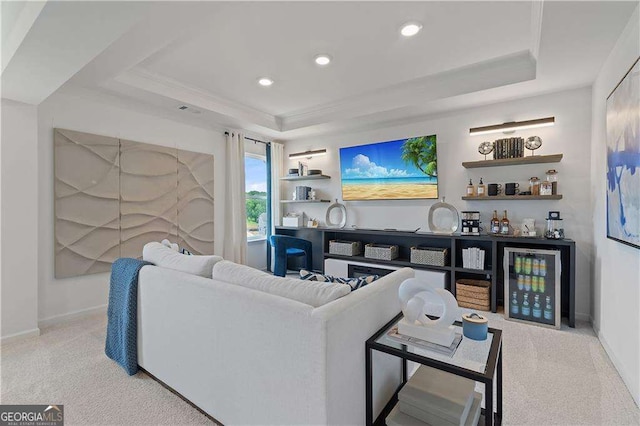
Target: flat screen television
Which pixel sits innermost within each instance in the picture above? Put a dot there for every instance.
(403, 169)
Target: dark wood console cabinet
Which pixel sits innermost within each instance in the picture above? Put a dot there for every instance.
(493, 246)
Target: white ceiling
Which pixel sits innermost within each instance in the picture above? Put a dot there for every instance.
(210, 54)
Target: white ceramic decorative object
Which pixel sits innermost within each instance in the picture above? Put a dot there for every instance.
(343, 215)
(415, 295)
(446, 220)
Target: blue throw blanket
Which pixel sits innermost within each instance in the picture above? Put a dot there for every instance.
(122, 326)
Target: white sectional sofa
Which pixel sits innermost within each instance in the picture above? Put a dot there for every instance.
(245, 356)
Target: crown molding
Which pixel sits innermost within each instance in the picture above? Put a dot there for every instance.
(497, 72)
(142, 79)
(536, 27)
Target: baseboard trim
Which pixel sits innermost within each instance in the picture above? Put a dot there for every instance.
(35, 332)
(57, 319)
(584, 317)
(618, 366)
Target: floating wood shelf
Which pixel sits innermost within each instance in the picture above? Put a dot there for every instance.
(514, 197)
(532, 159)
(308, 177)
(304, 201)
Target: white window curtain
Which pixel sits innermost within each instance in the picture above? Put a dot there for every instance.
(235, 217)
(277, 164)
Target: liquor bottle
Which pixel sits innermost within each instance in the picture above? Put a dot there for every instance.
(515, 308)
(541, 284)
(527, 282)
(495, 223)
(481, 189)
(534, 283)
(504, 224)
(548, 310)
(518, 264)
(526, 309)
(537, 309)
(535, 268)
(471, 190)
(520, 282)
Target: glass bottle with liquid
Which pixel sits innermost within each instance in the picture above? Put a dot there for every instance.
(504, 224)
(471, 190)
(495, 223)
(526, 309)
(548, 309)
(537, 309)
(515, 307)
(481, 189)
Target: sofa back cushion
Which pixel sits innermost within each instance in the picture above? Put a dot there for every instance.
(309, 292)
(164, 257)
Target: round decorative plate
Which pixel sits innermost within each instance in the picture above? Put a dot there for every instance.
(485, 148)
(443, 218)
(533, 143)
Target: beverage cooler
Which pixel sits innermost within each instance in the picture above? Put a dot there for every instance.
(532, 286)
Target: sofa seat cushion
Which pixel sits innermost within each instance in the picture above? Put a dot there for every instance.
(308, 292)
(354, 283)
(165, 257)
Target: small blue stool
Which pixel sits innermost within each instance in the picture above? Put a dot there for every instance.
(286, 246)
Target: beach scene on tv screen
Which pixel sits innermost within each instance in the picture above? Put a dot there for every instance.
(401, 169)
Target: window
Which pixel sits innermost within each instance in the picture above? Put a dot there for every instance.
(255, 167)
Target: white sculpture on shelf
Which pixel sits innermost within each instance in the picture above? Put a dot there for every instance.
(414, 297)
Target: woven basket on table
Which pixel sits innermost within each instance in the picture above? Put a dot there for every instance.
(474, 294)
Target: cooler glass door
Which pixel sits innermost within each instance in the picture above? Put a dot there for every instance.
(532, 286)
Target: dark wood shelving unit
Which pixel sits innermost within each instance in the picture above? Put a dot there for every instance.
(307, 177)
(514, 197)
(493, 245)
(532, 159)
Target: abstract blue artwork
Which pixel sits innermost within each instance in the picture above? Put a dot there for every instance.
(623, 159)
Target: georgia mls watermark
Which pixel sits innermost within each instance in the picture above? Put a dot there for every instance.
(31, 415)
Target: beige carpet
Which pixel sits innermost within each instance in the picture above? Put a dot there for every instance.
(550, 377)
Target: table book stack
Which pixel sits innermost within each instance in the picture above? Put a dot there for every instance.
(434, 397)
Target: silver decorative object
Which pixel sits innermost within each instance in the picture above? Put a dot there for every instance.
(533, 143)
(343, 215)
(486, 148)
(452, 221)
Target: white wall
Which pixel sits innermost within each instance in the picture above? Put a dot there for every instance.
(19, 292)
(616, 267)
(570, 136)
(59, 297)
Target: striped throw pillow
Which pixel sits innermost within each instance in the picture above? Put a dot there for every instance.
(354, 283)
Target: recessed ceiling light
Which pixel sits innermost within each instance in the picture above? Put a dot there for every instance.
(410, 29)
(264, 81)
(323, 59)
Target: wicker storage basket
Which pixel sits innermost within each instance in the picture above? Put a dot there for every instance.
(345, 248)
(381, 251)
(433, 256)
(474, 294)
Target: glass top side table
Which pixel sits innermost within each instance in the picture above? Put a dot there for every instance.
(480, 361)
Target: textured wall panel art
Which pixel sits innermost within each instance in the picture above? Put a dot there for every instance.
(114, 196)
(87, 208)
(148, 196)
(195, 201)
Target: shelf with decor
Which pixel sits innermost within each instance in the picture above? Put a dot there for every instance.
(307, 177)
(514, 197)
(532, 159)
(304, 201)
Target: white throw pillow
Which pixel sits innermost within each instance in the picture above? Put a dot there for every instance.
(309, 292)
(164, 257)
